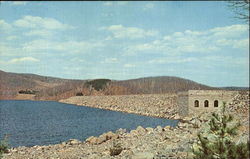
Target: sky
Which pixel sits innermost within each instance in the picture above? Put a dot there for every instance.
(200, 41)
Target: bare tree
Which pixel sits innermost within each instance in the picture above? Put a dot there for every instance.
(240, 8)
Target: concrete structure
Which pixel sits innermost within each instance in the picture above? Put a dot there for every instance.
(196, 101)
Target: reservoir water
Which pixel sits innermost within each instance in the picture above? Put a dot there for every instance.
(29, 123)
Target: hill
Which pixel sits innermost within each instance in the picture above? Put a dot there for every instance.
(42, 87)
(31, 86)
(154, 85)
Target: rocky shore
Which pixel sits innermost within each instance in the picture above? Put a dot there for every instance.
(155, 105)
(141, 143)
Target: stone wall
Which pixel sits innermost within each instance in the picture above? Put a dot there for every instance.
(186, 101)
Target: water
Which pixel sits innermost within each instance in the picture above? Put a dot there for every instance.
(43, 122)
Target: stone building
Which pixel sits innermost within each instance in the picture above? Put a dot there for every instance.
(196, 101)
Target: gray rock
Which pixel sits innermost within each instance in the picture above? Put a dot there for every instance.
(159, 129)
(92, 140)
(110, 135)
(140, 130)
(73, 142)
(149, 130)
(167, 128)
(121, 131)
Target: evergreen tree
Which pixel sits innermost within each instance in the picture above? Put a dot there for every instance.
(218, 142)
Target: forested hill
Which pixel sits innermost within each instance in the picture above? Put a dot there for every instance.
(12, 85)
(41, 86)
(162, 84)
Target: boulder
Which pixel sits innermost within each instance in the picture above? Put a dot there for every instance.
(182, 125)
(196, 123)
(102, 138)
(92, 140)
(133, 133)
(167, 127)
(110, 135)
(73, 142)
(176, 116)
(187, 118)
(140, 130)
(149, 130)
(121, 131)
(159, 129)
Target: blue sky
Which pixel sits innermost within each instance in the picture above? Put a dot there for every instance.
(200, 41)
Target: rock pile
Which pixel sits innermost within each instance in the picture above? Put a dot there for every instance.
(157, 105)
(147, 143)
(157, 143)
(102, 138)
(240, 103)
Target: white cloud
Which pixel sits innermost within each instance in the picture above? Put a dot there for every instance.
(19, 3)
(7, 50)
(41, 23)
(230, 31)
(129, 65)
(110, 3)
(13, 37)
(121, 3)
(240, 44)
(77, 60)
(227, 61)
(41, 47)
(119, 31)
(68, 46)
(110, 60)
(23, 59)
(34, 26)
(4, 26)
(43, 33)
(149, 6)
(194, 41)
(173, 60)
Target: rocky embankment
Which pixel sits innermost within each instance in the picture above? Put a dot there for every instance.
(156, 105)
(142, 143)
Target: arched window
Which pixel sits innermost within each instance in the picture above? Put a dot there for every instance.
(196, 103)
(206, 103)
(216, 103)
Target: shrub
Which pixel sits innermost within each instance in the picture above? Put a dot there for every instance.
(98, 84)
(4, 146)
(27, 92)
(218, 142)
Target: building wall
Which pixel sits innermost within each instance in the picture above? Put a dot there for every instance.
(186, 101)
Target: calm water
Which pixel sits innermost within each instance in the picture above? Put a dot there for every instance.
(41, 122)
